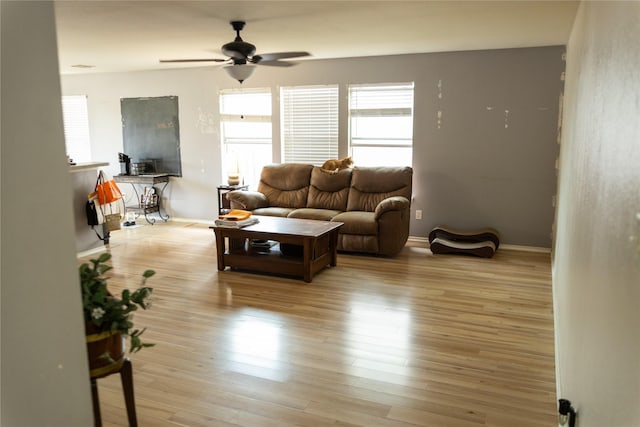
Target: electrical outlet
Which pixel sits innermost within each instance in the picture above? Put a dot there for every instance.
(418, 213)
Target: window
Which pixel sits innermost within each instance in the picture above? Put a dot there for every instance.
(309, 124)
(76, 128)
(381, 124)
(245, 127)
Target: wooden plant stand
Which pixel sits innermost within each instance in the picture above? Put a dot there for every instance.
(126, 376)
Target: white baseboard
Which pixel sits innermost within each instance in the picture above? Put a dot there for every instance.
(417, 239)
(526, 248)
(192, 220)
(91, 251)
(425, 240)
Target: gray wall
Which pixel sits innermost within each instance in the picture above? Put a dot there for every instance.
(82, 183)
(45, 375)
(596, 275)
(471, 171)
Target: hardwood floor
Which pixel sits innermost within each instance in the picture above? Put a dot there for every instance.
(417, 340)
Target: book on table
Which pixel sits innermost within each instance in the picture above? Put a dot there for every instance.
(262, 244)
(236, 223)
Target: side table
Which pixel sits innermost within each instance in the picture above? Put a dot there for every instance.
(224, 205)
(143, 206)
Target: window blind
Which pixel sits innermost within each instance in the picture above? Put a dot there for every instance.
(388, 99)
(75, 118)
(309, 128)
(245, 102)
(381, 124)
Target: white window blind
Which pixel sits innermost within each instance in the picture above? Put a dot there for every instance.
(381, 124)
(245, 128)
(75, 117)
(309, 128)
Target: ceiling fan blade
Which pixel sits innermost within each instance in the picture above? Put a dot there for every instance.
(193, 60)
(277, 63)
(241, 53)
(278, 55)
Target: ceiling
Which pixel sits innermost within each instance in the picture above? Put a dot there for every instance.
(118, 36)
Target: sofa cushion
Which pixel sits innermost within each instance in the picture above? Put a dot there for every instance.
(286, 185)
(311, 213)
(357, 222)
(371, 185)
(329, 191)
(273, 211)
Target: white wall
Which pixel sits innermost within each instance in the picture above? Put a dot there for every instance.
(470, 170)
(596, 274)
(45, 375)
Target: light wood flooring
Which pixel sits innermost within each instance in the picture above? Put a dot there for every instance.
(416, 340)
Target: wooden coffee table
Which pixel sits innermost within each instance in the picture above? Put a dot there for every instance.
(317, 241)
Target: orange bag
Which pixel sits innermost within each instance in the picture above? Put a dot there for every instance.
(107, 191)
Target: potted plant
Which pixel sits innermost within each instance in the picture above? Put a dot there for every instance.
(108, 318)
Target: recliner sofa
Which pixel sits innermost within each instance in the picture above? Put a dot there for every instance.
(372, 202)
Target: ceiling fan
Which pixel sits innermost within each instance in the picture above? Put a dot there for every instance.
(242, 59)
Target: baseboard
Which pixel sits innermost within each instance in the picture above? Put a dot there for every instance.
(192, 220)
(416, 239)
(522, 248)
(91, 251)
(526, 248)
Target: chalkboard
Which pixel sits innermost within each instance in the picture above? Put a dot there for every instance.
(151, 133)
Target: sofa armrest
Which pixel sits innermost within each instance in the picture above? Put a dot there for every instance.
(395, 203)
(247, 200)
(392, 215)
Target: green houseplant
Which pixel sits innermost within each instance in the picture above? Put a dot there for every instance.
(108, 313)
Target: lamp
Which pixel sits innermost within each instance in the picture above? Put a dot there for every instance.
(240, 72)
(233, 172)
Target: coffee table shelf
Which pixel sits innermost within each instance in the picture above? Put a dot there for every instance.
(317, 241)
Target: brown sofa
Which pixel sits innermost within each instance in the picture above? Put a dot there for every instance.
(372, 202)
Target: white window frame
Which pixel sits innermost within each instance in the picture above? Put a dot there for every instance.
(248, 153)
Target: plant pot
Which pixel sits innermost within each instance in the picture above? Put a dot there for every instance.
(105, 351)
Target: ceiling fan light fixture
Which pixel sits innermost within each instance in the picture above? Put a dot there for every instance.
(238, 49)
(240, 72)
(242, 55)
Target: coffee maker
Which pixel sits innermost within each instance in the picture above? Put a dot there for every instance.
(125, 164)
